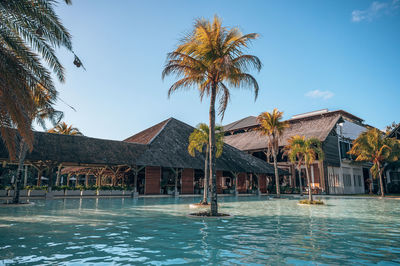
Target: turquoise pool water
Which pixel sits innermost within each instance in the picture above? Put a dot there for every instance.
(156, 231)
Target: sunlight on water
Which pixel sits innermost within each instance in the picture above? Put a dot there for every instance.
(158, 231)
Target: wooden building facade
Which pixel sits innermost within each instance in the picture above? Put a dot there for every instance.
(154, 161)
(338, 173)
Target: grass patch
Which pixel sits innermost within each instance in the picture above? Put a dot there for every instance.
(312, 202)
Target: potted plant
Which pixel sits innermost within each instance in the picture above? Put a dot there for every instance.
(3, 191)
(73, 191)
(89, 191)
(104, 191)
(37, 191)
(58, 191)
(117, 191)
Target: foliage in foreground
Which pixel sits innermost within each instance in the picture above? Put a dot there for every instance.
(211, 59)
(373, 146)
(311, 202)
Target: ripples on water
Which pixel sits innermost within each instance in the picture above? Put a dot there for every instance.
(157, 231)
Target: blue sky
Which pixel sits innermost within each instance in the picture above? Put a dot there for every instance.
(316, 54)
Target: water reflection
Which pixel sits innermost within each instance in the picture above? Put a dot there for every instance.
(157, 231)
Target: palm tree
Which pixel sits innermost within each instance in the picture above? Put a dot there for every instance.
(272, 126)
(29, 32)
(305, 150)
(210, 58)
(199, 141)
(372, 146)
(43, 110)
(63, 128)
(295, 158)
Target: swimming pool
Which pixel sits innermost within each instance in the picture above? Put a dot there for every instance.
(156, 231)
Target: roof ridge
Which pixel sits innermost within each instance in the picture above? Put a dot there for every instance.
(238, 121)
(161, 129)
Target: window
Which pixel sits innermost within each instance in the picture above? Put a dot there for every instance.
(347, 180)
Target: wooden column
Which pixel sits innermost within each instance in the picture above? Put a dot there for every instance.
(219, 182)
(152, 180)
(187, 181)
(262, 182)
(68, 177)
(241, 182)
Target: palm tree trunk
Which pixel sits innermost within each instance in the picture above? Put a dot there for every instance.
(278, 192)
(309, 184)
(17, 180)
(300, 183)
(58, 175)
(206, 176)
(213, 174)
(135, 180)
(381, 183)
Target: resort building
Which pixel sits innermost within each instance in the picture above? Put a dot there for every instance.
(338, 173)
(154, 161)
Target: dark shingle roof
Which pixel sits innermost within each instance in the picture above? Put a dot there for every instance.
(316, 126)
(147, 135)
(81, 150)
(246, 122)
(166, 146)
(169, 149)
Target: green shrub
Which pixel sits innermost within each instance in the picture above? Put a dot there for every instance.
(36, 188)
(313, 202)
(57, 188)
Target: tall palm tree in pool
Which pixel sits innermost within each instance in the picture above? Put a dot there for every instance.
(372, 146)
(65, 129)
(272, 126)
(305, 150)
(211, 59)
(199, 141)
(29, 33)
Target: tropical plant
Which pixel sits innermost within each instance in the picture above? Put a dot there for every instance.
(43, 110)
(372, 146)
(64, 129)
(199, 141)
(392, 127)
(29, 32)
(272, 126)
(210, 58)
(305, 151)
(295, 159)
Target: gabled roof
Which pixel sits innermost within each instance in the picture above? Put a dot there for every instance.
(147, 135)
(315, 126)
(251, 121)
(169, 149)
(246, 122)
(164, 144)
(80, 150)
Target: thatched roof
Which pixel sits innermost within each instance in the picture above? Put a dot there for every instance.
(318, 126)
(80, 150)
(164, 144)
(168, 148)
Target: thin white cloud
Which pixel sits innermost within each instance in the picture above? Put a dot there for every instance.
(375, 10)
(317, 94)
